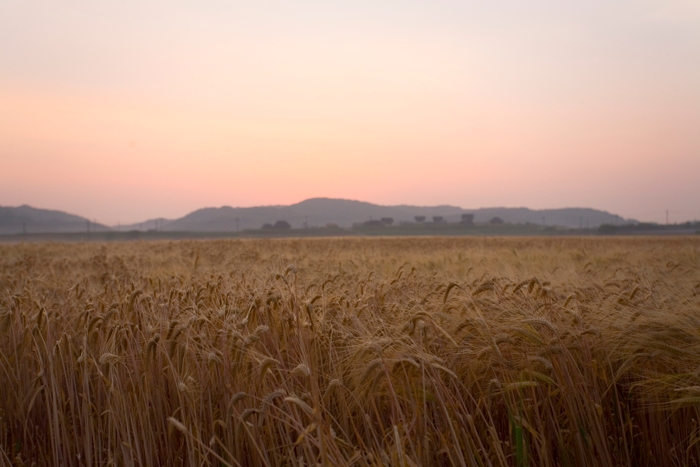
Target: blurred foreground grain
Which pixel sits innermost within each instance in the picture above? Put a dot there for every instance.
(430, 351)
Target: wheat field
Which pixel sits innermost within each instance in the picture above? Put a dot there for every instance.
(351, 351)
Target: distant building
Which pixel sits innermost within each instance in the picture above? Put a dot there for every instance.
(420, 219)
(438, 219)
(387, 220)
(496, 221)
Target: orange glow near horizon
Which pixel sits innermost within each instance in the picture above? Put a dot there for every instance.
(120, 117)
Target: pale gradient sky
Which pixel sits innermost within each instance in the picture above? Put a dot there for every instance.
(123, 111)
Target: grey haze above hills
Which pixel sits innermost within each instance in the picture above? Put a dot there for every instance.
(312, 212)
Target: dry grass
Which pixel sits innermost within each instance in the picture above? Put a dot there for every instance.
(467, 352)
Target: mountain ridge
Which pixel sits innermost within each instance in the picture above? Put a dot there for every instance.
(27, 219)
(318, 212)
(312, 212)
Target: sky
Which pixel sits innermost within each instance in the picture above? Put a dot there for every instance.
(124, 111)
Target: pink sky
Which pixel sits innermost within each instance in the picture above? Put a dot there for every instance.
(122, 112)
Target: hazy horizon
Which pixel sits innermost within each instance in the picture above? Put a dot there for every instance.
(467, 209)
(131, 111)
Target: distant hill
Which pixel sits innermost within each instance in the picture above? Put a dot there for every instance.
(315, 212)
(322, 211)
(32, 220)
